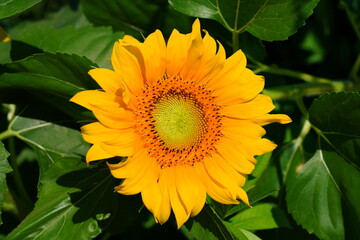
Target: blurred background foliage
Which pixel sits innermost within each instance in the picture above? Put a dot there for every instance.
(48, 46)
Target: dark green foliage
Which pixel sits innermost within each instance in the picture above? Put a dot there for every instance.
(308, 188)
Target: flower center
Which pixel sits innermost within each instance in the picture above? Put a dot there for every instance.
(179, 121)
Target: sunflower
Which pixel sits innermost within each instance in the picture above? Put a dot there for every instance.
(188, 119)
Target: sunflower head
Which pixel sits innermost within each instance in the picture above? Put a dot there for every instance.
(188, 119)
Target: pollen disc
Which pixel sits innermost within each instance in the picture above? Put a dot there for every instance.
(179, 121)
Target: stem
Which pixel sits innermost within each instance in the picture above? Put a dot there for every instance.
(235, 33)
(235, 41)
(309, 89)
(290, 73)
(297, 143)
(6, 134)
(301, 105)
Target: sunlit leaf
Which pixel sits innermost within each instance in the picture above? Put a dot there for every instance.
(266, 19)
(9, 8)
(262, 163)
(315, 200)
(59, 74)
(261, 216)
(74, 203)
(94, 43)
(241, 233)
(4, 169)
(253, 198)
(50, 140)
(65, 17)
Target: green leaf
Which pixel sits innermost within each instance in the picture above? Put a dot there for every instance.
(241, 233)
(259, 217)
(74, 203)
(337, 115)
(65, 17)
(260, 167)
(253, 198)
(207, 225)
(347, 178)
(59, 74)
(94, 43)
(49, 139)
(4, 169)
(314, 199)
(132, 17)
(136, 17)
(5, 52)
(265, 19)
(323, 197)
(9, 8)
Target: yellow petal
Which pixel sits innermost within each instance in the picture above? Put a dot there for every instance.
(213, 188)
(113, 117)
(184, 187)
(85, 98)
(118, 170)
(235, 83)
(129, 167)
(233, 176)
(236, 128)
(156, 61)
(241, 194)
(199, 193)
(259, 106)
(96, 152)
(257, 146)
(209, 45)
(128, 147)
(108, 80)
(139, 171)
(178, 207)
(144, 175)
(246, 87)
(151, 197)
(163, 213)
(125, 144)
(176, 52)
(211, 65)
(238, 178)
(232, 69)
(236, 156)
(128, 66)
(217, 173)
(195, 54)
(96, 132)
(190, 189)
(271, 118)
